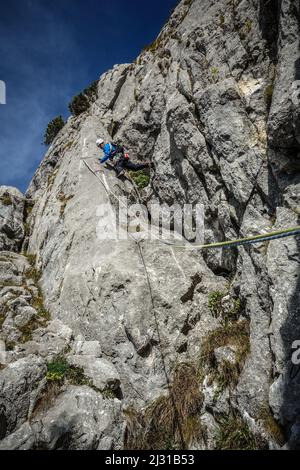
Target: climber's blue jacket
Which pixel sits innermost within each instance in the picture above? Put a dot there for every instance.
(109, 152)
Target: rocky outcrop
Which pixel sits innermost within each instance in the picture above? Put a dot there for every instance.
(211, 103)
(12, 230)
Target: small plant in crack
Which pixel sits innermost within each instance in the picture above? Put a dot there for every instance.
(221, 304)
(214, 73)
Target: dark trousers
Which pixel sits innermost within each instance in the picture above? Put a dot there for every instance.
(123, 164)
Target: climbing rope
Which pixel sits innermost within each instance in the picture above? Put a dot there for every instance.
(138, 243)
(226, 244)
(283, 233)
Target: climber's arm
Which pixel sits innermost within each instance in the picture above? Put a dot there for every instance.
(104, 159)
(107, 152)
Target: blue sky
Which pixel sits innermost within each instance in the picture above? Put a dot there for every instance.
(52, 49)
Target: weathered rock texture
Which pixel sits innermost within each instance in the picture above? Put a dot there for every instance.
(211, 103)
(11, 219)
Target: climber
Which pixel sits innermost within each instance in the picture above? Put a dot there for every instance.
(121, 159)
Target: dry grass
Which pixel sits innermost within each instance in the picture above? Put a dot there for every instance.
(234, 334)
(172, 421)
(28, 330)
(47, 398)
(134, 432)
(64, 201)
(235, 435)
(272, 427)
(32, 272)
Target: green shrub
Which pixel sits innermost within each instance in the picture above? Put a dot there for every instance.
(6, 199)
(57, 370)
(82, 102)
(60, 370)
(140, 178)
(92, 91)
(53, 128)
(79, 104)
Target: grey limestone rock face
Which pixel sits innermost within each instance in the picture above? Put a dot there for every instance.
(17, 384)
(212, 104)
(80, 420)
(12, 230)
(102, 373)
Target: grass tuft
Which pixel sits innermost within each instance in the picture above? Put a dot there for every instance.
(173, 420)
(228, 312)
(6, 199)
(236, 335)
(235, 435)
(272, 427)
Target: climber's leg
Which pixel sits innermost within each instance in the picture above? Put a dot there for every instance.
(136, 166)
(120, 166)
